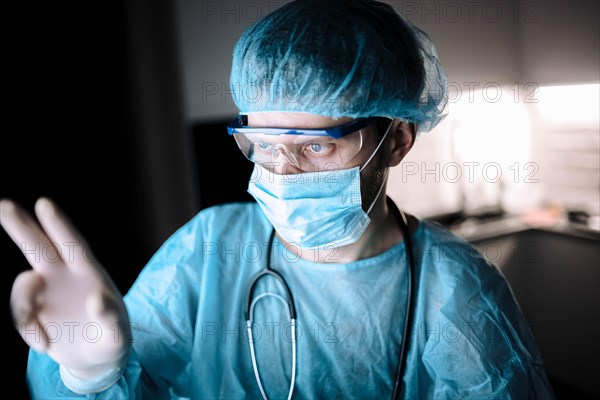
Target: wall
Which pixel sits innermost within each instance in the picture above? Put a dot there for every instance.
(561, 45)
(208, 30)
(566, 146)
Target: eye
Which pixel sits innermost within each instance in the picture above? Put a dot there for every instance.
(264, 146)
(319, 148)
(316, 147)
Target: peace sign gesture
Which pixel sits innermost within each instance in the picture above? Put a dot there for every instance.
(67, 305)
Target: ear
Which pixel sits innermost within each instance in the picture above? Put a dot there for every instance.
(402, 138)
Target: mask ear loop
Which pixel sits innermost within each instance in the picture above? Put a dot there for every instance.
(379, 145)
(386, 170)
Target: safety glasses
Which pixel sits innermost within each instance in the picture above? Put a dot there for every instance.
(307, 149)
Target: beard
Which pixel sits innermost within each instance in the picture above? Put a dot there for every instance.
(373, 177)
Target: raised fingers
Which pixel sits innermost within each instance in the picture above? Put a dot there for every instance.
(39, 250)
(74, 250)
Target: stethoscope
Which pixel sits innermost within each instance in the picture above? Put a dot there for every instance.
(291, 309)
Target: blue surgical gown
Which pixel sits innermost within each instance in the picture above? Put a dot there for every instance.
(469, 338)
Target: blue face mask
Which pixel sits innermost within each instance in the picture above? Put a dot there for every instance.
(314, 209)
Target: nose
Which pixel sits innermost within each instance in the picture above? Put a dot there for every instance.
(284, 161)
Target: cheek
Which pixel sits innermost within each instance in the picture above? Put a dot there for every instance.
(371, 179)
(368, 148)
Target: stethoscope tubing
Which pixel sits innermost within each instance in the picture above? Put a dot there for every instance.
(249, 307)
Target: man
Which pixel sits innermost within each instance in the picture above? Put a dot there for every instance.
(323, 288)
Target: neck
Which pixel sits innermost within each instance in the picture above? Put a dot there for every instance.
(382, 234)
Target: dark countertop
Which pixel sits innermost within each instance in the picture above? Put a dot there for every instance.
(475, 230)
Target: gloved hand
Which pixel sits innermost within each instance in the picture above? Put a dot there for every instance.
(67, 305)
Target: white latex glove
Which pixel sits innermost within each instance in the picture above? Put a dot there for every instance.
(67, 305)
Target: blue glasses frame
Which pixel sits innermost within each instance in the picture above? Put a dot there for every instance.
(239, 125)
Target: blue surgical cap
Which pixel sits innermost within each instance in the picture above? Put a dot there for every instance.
(342, 58)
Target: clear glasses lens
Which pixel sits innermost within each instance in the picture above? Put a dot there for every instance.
(304, 151)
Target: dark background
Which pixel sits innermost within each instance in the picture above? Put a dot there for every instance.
(70, 140)
(88, 87)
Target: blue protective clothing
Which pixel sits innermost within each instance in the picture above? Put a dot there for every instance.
(470, 339)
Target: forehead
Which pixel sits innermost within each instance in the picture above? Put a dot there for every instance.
(277, 119)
